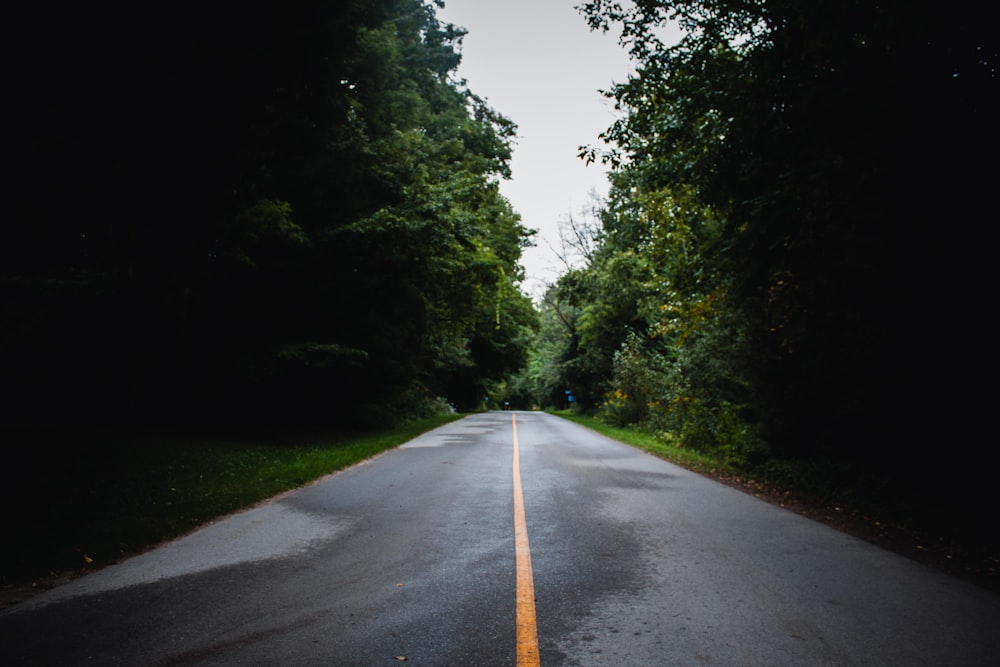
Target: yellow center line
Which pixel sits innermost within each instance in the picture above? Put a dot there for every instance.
(527, 630)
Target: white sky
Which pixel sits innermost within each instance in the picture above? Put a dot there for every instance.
(538, 63)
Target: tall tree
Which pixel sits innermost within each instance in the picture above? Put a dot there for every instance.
(250, 212)
(832, 141)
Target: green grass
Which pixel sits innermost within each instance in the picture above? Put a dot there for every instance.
(851, 502)
(685, 458)
(75, 500)
(88, 497)
(812, 483)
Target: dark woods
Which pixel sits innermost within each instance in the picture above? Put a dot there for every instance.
(794, 259)
(266, 212)
(290, 212)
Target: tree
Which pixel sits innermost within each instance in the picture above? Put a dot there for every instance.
(544, 380)
(279, 213)
(826, 139)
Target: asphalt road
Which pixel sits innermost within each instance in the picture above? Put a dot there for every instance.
(410, 559)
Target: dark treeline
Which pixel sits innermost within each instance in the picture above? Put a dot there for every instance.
(793, 262)
(289, 212)
(251, 212)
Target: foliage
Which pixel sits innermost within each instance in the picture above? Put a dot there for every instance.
(268, 213)
(100, 494)
(783, 177)
(542, 382)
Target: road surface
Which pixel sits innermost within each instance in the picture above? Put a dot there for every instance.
(510, 539)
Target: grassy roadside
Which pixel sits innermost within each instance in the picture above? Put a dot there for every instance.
(852, 510)
(77, 500)
(85, 498)
(683, 457)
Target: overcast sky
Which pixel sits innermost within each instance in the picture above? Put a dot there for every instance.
(538, 63)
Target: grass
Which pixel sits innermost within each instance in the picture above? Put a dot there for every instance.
(854, 505)
(88, 497)
(786, 479)
(74, 500)
(686, 458)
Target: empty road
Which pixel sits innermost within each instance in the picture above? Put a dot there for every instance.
(510, 539)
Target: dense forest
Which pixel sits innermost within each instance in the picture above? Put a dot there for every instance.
(290, 212)
(252, 212)
(791, 269)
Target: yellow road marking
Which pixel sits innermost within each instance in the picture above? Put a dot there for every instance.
(527, 630)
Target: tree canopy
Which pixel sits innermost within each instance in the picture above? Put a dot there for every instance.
(253, 212)
(792, 259)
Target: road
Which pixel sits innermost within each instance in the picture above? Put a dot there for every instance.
(421, 556)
